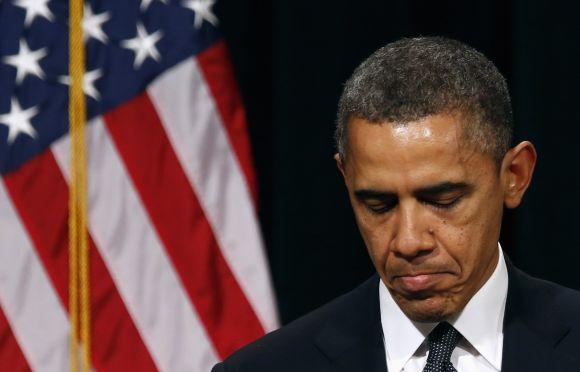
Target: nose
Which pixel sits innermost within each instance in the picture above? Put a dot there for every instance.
(412, 236)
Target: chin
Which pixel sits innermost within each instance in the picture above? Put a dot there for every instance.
(430, 310)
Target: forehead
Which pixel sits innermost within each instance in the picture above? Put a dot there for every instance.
(425, 151)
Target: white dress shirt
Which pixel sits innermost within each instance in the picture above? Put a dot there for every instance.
(480, 323)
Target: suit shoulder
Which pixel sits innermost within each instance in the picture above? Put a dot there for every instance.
(560, 301)
(557, 304)
(294, 341)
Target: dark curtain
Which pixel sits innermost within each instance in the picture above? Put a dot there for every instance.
(291, 59)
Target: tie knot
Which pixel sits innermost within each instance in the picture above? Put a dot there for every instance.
(442, 341)
(445, 334)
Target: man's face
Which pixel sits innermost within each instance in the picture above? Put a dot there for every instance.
(429, 208)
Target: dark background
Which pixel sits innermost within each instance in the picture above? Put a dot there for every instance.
(291, 59)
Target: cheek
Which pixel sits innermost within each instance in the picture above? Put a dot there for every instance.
(376, 236)
(467, 235)
(378, 244)
(455, 241)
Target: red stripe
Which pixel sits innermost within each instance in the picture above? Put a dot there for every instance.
(180, 222)
(40, 194)
(11, 357)
(219, 75)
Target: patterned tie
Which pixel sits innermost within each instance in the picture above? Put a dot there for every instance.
(442, 341)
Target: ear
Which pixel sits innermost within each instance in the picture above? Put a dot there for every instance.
(339, 163)
(517, 170)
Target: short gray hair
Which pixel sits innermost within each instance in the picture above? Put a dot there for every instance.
(413, 78)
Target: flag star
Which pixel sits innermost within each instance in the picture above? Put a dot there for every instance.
(89, 79)
(26, 61)
(145, 4)
(203, 11)
(18, 120)
(35, 8)
(93, 24)
(143, 45)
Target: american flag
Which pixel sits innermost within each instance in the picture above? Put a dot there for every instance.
(179, 277)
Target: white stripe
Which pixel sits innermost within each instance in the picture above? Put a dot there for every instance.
(193, 125)
(137, 261)
(30, 303)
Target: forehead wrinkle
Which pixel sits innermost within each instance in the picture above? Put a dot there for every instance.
(402, 143)
(414, 154)
(428, 130)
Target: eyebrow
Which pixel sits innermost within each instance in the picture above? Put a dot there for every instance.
(366, 194)
(442, 188)
(431, 190)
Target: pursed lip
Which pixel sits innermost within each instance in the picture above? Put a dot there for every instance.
(420, 281)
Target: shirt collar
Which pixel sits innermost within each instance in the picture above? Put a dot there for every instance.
(480, 322)
(402, 336)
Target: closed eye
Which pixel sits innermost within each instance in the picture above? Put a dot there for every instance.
(379, 209)
(444, 203)
(381, 206)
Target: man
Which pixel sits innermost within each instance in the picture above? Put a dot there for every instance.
(423, 134)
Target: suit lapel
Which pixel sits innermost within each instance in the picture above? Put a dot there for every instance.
(530, 333)
(361, 358)
(353, 341)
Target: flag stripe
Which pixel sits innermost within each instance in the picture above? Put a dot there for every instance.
(31, 304)
(41, 193)
(137, 261)
(11, 357)
(218, 72)
(205, 154)
(181, 224)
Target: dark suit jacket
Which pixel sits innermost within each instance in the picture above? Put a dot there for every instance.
(541, 333)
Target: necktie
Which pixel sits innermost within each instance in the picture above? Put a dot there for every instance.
(442, 341)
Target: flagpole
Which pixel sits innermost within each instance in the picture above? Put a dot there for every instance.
(79, 285)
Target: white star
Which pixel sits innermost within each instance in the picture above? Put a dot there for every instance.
(143, 45)
(89, 79)
(145, 4)
(26, 61)
(35, 8)
(18, 120)
(93, 24)
(203, 11)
